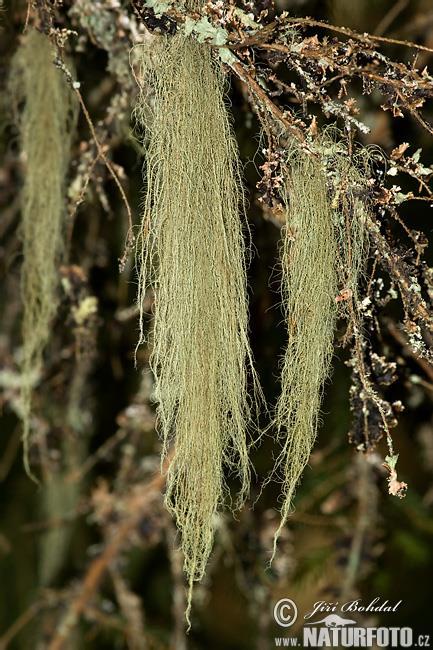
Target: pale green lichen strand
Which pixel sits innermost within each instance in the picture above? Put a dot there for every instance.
(191, 251)
(45, 132)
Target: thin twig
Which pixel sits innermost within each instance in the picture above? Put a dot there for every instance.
(262, 97)
(107, 163)
(364, 38)
(20, 623)
(399, 336)
(390, 17)
(101, 153)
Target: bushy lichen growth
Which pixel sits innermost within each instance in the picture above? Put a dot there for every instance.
(46, 126)
(191, 252)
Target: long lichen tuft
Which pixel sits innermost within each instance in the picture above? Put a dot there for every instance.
(191, 252)
(323, 246)
(45, 132)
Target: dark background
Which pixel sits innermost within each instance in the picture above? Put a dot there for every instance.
(347, 533)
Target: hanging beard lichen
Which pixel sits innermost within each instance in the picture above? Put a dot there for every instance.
(45, 133)
(322, 254)
(192, 254)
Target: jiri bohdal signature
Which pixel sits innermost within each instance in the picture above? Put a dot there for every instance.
(376, 605)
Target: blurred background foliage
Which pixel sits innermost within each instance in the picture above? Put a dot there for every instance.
(93, 418)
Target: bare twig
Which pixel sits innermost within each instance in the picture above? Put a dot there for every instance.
(390, 17)
(363, 38)
(20, 623)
